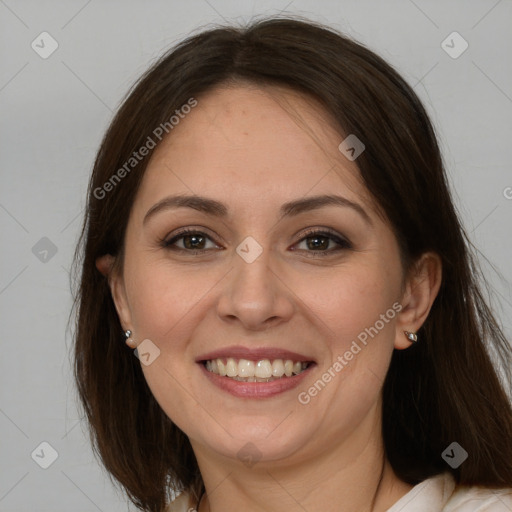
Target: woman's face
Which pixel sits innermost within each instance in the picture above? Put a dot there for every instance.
(265, 288)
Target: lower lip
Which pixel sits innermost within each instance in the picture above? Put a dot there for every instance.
(255, 389)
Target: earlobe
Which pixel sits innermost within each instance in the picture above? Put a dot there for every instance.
(421, 290)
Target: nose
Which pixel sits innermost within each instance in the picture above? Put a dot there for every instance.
(255, 294)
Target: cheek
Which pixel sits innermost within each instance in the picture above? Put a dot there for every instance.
(354, 310)
(166, 303)
(350, 299)
(162, 297)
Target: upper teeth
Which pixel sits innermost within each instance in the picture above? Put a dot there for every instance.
(262, 369)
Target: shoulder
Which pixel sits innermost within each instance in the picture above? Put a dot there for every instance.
(183, 503)
(441, 494)
(462, 499)
(479, 499)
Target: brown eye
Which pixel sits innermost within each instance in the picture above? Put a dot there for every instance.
(193, 241)
(189, 241)
(323, 243)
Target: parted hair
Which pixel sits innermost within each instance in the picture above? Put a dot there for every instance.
(444, 388)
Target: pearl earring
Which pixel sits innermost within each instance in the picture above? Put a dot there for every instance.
(131, 343)
(411, 336)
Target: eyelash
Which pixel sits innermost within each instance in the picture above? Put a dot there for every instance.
(327, 233)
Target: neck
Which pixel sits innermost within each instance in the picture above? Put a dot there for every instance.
(358, 477)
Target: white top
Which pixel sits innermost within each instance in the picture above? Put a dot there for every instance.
(436, 494)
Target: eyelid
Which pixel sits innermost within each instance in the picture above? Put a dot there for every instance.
(324, 231)
(317, 230)
(168, 241)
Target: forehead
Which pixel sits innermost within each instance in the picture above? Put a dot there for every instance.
(244, 142)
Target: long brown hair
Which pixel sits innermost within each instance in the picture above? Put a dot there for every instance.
(443, 389)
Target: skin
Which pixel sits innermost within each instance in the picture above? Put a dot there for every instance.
(255, 148)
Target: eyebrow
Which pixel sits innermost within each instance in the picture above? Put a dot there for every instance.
(218, 209)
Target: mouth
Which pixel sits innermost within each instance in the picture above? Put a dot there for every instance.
(262, 370)
(255, 373)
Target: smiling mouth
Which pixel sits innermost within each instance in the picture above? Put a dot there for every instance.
(262, 370)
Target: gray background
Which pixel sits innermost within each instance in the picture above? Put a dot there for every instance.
(54, 113)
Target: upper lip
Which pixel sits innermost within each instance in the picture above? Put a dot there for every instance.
(253, 354)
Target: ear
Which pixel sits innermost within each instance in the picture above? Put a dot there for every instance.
(105, 264)
(421, 290)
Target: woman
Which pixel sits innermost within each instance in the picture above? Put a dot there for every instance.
(270, 229)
